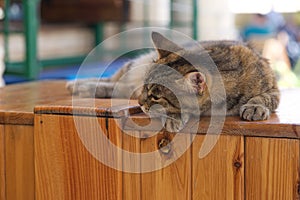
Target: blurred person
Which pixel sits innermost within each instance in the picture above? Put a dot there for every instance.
(276, 40)
(259, 27)
(289, 35)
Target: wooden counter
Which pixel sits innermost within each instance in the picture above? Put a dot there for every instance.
(43, 155)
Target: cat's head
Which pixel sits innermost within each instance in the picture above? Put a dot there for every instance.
(173, 85)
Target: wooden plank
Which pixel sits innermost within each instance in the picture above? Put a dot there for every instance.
(272, 168)
(18, 100)
(90, 107)
(2, 163)
(219, 175)
(19, 162)
(65, 169)
(277, 126)
(172, 181)
(132, 179)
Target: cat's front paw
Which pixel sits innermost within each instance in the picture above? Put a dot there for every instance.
(254, 112)
(176, 123)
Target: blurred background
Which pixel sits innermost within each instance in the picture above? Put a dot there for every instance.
(48, 39)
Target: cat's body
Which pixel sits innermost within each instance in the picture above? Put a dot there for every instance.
(249, 82)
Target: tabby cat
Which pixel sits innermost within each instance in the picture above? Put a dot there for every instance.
(249, 82)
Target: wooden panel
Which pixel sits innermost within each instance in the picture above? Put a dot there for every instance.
(2, 163)
(220, 174)
(19, 162)
(272, 168)
(171, 182)
(131, 181)
(65, 169)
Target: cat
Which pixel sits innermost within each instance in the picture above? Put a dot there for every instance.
(248, 80)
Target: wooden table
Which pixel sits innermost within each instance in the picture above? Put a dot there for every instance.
(44, 154)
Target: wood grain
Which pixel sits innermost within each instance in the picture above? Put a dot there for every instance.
(273, 127)
(219, 175)
(65, 169)
(131, 180)
(272, 168)
(19, 162)
(2, 164)
(90, 107)
(18, 100)
(172, 181)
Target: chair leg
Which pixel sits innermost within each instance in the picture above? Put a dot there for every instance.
(31, 19)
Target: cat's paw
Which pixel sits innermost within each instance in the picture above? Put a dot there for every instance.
(176, 124)
(86, 91)
(77, 87)
(93, 90)
(254, 112)
(80, 88)
(70, 85)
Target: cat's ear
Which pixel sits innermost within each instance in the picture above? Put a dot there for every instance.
(164, 46)
(193, 82)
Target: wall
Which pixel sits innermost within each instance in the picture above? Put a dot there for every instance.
(215, 20)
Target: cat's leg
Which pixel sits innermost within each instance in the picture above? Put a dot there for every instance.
(106, 90)
(176, 122)
(121, 72)
(260, 107)
(85, 87)
(96, 89)
(72, 86)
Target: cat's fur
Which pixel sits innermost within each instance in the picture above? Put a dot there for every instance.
(249, 82)
(127, 78)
